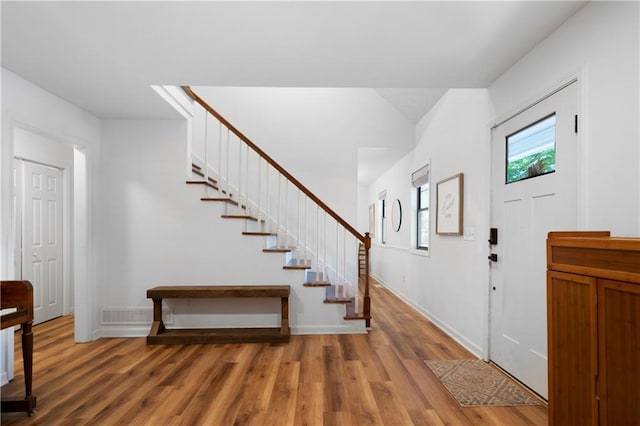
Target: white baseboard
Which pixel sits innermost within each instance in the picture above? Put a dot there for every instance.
(124, 331)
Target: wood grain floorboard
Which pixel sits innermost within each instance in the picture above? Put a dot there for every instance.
(378, 378)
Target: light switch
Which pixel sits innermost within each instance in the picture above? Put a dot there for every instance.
(469, 234)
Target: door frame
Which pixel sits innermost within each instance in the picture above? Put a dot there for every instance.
(78, 223)
(582, 183)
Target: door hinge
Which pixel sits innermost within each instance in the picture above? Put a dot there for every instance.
(575, 123)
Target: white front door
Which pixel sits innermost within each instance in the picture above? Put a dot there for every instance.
(42, 238)
(532, 194)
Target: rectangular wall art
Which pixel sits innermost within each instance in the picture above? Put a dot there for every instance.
(449, 204)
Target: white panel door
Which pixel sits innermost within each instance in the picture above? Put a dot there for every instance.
(524, 211)
(42, 239)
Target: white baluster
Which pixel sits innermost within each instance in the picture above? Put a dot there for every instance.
(246, 194)
(206, 153)
(279, 205)
(260, 191)
(299, 235)
(227, 168)
(326, 243)
(344, 252)
(219, 154)
(317, 241)
(239, 171)
(306, 228)
(337, 264)
(269, 200)
(286, 212)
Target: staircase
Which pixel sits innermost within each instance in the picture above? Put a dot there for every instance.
(275, 206)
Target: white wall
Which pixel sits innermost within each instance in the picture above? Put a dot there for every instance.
(160, 233)
(599, 46)
(315, 133)
(26, 106)
(447, 285)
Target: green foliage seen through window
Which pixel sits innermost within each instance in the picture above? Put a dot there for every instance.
(533, 165)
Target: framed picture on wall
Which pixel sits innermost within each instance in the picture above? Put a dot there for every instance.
(449, 204)
(372, 220)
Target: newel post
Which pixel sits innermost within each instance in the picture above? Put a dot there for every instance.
(367, 297)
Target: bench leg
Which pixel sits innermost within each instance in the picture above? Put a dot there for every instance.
(158, 326)
(284, 321)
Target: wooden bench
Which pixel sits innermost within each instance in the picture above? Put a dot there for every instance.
(160, 335)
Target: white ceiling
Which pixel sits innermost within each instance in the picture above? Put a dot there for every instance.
(103, 56)
(412, 103)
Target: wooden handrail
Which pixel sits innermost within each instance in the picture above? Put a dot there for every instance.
(366, 241)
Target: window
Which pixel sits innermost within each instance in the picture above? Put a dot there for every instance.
(531, 151)
(423, 217)
(420, 181)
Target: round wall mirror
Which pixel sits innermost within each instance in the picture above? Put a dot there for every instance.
(396, 215)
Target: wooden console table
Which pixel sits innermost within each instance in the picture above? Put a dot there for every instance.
(19, 295)
(160, 335)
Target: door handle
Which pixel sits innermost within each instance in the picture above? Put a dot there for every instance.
(493, 257)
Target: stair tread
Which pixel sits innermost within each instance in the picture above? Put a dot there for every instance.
(298, 264)
(357, 317)
(240, 216)
(316, 284)
(277, 249)
(217, 199)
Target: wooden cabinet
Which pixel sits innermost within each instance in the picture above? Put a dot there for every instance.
(593, 321)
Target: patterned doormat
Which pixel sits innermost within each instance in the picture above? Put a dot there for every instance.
(474, 382)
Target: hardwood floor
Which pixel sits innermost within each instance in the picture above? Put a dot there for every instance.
(378, 378)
